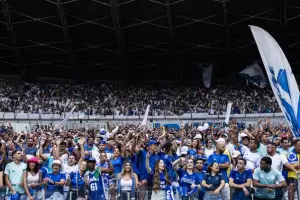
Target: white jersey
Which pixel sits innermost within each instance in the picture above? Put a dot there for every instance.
(254, 158)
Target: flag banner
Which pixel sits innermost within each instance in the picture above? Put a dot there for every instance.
(206, 76)
(228, 111)
(255, 75)
(65, 119)
(144, 122)
(169, 193)
(280, 76)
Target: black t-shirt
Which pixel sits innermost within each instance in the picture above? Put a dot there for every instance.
(215, 181)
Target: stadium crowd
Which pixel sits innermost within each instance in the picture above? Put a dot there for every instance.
(130, 162)
(16, 96)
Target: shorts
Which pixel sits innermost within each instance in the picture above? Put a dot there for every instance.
(292, 180)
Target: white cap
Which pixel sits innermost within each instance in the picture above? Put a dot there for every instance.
(220, 140)
(56, 162)
(198, 136)
(235, 153)
(184, 150)
(243, 135)
(225, 134)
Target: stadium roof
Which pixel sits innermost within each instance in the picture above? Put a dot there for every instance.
(121, 39)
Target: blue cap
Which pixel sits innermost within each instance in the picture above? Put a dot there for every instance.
(151, 142)
(102, 131)
(91, 159)
(102, 142)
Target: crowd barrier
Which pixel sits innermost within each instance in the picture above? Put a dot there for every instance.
(83, 116)
(28, 121)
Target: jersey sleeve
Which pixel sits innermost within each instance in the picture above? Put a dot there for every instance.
(232, 174)
(279, 176)
(210, 160)
(249, 174)
(221, 177)
(63, 177)
(284, 159)
(6, 171)
(205, 177)
(226, 159)
(256, 174)
(180, 172)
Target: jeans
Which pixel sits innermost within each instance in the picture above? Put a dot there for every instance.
(225, 192)
(210, 196)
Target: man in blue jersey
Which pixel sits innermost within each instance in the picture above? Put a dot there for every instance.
(95, 181)
(55, 182)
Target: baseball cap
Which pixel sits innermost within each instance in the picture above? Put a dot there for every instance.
(235, 153)
(184, 150)
(56, 162)
(33, 159)
(225, 135)
(91, 159)
(198, 136)
(102, 142)
(151, 142)
(102, 131)
(243, 135)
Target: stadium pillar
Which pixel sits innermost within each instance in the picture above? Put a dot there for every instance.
(115, 14)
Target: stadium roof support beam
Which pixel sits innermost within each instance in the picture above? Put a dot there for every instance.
(68, 41)
(114, 6)
(9, 28)
(174, 61)
(170, 23)
(283, 19)
(226, 25)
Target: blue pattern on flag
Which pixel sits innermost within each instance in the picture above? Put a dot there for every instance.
(281, 82)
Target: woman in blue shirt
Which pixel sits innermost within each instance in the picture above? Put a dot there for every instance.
(189, 181)
(240, 179)
(160, 177)
(76, 182)
(213, 182)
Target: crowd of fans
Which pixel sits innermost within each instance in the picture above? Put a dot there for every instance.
(16, 96)
(130, 162)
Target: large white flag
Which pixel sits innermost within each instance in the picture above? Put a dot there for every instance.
(281, 77)
(255, 75)
(206, 76)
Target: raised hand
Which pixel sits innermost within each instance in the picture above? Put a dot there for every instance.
(81, 141)
(58, 141)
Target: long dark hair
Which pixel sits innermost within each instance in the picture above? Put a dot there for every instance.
(36, 168)
(156, 180)
(209, 167)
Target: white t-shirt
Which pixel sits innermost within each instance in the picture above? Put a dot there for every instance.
(230, 148)
(278, 161)
(67, 169)
(208, 152)
(252, 157)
